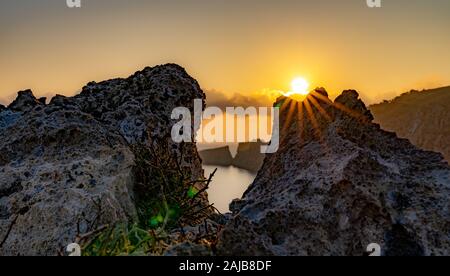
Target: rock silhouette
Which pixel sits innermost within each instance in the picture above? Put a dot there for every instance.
(217, 156)
(248, 156)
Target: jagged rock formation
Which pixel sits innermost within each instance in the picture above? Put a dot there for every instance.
(67, 166)
(423, 117)
(339, 183)
(25, 102)
(217, 157)
(249, 156)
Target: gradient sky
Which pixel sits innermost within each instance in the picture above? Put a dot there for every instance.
(230, 46)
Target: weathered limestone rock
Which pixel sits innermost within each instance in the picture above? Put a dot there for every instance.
(66, 167)
(339, 183)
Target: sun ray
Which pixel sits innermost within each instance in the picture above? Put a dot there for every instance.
(291, 111)
(312, 119)
(340, 106)
(300, 120)
(321, 110)
(350, 112)
(321, 97)
(315, 124)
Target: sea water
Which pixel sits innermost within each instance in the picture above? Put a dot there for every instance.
(228, 183)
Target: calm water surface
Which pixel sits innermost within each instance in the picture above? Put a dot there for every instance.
(228, 183)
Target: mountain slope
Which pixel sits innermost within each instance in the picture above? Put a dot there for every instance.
(339, 183)
(422, 117)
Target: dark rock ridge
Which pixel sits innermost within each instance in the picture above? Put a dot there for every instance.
(217, 157)
(423, 117)
(339, 183)
(25, 102)
(248, 157)
(63, 162)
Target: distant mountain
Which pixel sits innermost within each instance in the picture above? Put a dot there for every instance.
(248, 157)
(423, 117)
(217, 157)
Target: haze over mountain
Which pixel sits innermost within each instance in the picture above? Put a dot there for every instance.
(423, 117)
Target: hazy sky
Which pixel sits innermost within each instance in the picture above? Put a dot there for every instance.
(229, 46)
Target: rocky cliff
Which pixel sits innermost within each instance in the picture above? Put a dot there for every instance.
(249, 156)
(66, 167)
(339, 183)
(217, 157)
(423, 117)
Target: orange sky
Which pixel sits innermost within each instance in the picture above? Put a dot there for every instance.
(245, 47)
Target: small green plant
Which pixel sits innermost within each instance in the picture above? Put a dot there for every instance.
(167, 194)
(167, 197)
(121, 240)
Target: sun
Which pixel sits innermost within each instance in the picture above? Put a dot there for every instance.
(300, 86)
